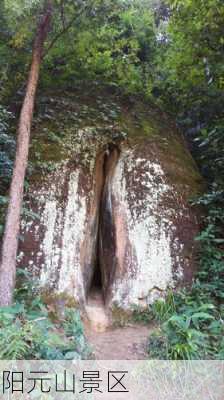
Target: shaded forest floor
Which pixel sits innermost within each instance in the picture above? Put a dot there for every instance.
(114, 343)
(127, 343)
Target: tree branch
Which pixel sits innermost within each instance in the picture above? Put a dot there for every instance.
(63, 31)
(62, 4)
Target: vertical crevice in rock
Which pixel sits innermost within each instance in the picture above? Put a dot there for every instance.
(89, 246)
(107, 241)
(102, 273)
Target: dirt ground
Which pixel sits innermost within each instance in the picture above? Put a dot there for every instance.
(110, 343)
(128, 343)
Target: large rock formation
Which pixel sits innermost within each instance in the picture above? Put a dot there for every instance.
(110, 182)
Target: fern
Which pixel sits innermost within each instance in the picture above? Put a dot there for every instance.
(27, 332)
(14, 343)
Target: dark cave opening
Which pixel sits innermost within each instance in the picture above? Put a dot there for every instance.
(110, 157)
(97, 283)
(96, 292)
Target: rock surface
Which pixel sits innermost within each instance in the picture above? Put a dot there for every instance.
(110, 182)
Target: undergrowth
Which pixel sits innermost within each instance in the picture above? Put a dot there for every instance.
(7, 150)
(27, 330)
(191, 322)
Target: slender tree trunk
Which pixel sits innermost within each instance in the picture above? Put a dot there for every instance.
(12, 227)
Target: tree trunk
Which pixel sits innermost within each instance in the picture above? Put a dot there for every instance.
(12, 227)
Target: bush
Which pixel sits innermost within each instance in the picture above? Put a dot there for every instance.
(7, 147)
(27, 331)
(191, 322)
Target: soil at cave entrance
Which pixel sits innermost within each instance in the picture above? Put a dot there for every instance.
(110, 343)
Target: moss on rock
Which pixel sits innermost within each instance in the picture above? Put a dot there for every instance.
(63, 120)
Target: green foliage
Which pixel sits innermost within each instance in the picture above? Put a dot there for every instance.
(142, 317)
(7, 153)
(7, 147)
(27, 332)
(162, 309)
(117, 46)
(15, 43)
(194, 331)
(7, 150)
(193, 53)
(191, 322)
(210, 144)
(190, 84)
(171, 52)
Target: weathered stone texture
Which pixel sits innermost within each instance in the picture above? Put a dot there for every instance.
(118, 194)
(146, 212)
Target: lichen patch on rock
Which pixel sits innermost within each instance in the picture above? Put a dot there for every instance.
(112, 195)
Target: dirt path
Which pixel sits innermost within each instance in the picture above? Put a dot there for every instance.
(129, 343)
(109, 343)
